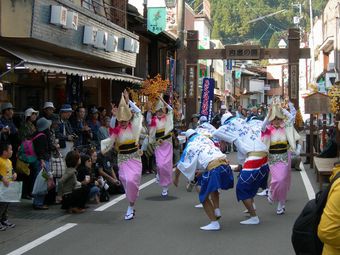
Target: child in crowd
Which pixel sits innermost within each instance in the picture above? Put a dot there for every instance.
(6, 176)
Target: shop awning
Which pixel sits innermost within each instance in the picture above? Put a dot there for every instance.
(39, 61)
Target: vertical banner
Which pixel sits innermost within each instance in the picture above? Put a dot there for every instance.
(156, 19)
(207, 98)
(172, 78)
(74, 88)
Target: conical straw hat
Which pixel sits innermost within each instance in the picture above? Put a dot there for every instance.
(276, 112)
(159, 105)
(124, 113)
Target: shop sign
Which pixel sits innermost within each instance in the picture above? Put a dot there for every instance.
(207, 98)
(156, 22)
(131, 45)
(101, 40)
(90, 35)
(112, 43)
(58, 15)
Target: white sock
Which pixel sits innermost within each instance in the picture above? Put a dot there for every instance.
(218, 212)
(130, 209)
(254, 206)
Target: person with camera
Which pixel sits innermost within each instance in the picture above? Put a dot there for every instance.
(65, 132)
(126, 138)
(80, 128)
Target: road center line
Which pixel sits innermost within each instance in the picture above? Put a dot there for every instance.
(42, 239)
(307, 183)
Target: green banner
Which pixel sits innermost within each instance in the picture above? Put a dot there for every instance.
(156, 19)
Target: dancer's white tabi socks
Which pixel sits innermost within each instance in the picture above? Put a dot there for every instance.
(251, 221)
(218, 213)
(213, 226)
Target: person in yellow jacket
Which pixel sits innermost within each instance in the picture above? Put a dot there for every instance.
(329, 227)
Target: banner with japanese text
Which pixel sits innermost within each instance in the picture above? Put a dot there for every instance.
(156, 19)
(207, 98)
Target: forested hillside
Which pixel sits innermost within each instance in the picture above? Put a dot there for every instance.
(233, 20)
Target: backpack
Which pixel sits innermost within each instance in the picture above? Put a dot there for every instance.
(26, 151)
(305, 238)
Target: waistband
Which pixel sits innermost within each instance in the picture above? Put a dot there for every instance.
(216, 163)
(163, 137)
(260, 154)
(127, 148)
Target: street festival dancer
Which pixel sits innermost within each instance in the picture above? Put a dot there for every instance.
(125, 137)
(160, 132)
(280, 136)
(252, 154)
(201, 154)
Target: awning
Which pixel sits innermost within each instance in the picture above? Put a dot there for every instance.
(36, 60)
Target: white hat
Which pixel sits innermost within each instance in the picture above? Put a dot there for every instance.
(30, 111)
(48, 105)
(189, 132)
(225, 117)
(223, 107)
(203, 119)
(159, 105)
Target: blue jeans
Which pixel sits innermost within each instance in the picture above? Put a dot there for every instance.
(94, 191)
(38, 200)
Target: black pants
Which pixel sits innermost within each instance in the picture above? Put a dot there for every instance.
(3, 211)
(76, 199)
(308, 147)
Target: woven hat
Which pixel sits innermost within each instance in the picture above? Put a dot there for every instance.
(124, 113)
(276, 112)
(159, 105)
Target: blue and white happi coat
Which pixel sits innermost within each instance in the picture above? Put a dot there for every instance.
(197, 155)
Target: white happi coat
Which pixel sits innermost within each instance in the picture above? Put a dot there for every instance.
(197, 155)
(236, 130)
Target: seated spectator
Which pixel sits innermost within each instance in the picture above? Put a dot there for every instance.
(330, 150)
(109, 171)
(87, 178)
(70, 191)
(103, 131)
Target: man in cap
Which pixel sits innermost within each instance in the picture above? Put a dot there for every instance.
(126, 138)
(48, 111)
(65, 132)
(252, 154)
(201, 154)
(9, 132)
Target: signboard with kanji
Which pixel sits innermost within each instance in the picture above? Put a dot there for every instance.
(317, 103)
(246, 52)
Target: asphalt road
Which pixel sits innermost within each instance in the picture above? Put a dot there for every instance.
(161, 227)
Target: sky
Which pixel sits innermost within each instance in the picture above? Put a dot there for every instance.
(151, 3)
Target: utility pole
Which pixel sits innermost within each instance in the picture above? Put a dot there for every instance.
(180, 59)
(311, 46)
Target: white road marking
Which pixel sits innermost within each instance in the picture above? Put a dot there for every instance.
(42, 239)
(307, 183)
(120, 198)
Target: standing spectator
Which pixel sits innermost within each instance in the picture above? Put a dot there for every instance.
(6, 176)
(26, 131)
(94, 123)
(329, 227)
(103, 131)
(9, 132)
(244, 113)
(48, 111)
(216, 121)
(102, 114)
(70, 191)
(42, 149)
(239, 111)
(65, 132)
(80, 128)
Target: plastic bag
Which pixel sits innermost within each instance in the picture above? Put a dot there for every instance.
(12, 193)
(40, 184)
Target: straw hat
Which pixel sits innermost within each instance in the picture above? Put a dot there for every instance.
(276, 112)
(159, 105)
(124, 113)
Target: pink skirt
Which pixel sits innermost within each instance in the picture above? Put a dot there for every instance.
(164, 163)
(130, 173)
(280, 181)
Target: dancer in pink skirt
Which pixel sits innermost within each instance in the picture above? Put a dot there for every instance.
(160, 131)
(279, 135)
(125, 137)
